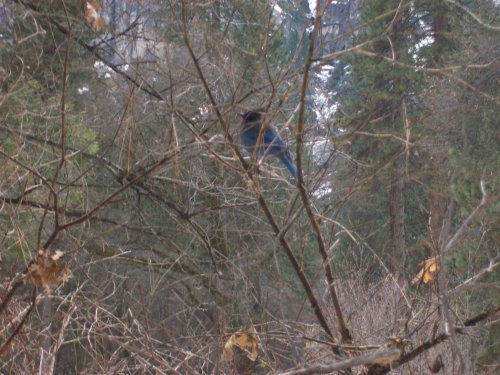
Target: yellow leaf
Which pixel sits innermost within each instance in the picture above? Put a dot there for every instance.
(246, 340)
(426, 274)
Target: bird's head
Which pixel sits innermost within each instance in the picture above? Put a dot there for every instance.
(253, 115)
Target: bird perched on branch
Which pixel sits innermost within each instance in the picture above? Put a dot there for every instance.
(263, 139)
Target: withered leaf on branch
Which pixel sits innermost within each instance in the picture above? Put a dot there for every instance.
(426, 274)
(46, 269)
(246, 340)
(92, 16)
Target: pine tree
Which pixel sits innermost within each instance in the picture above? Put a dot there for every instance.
(379, 113)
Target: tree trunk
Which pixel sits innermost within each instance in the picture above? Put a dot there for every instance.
(396, 249)
(441, 209)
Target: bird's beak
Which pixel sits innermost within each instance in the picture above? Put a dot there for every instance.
(242, 114)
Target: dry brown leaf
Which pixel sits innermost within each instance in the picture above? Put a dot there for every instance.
(246, 340)
(92, 16)
(45, 269)
(426, 274)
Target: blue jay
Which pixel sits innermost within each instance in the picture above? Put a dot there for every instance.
(267, 140)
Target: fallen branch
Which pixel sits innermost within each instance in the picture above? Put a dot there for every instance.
(381, 357)
(377, 370)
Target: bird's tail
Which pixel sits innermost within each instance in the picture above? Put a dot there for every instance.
(287, 160)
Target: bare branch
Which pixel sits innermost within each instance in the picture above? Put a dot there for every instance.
(344, 331)
(473, 15)
(380, 357)
(460, 231)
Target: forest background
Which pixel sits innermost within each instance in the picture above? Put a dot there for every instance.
(137, 237)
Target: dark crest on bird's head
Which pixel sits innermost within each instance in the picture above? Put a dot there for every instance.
(253, 115)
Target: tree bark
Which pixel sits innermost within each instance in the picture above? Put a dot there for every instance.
(396, 247)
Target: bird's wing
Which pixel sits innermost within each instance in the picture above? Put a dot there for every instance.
(271, 138)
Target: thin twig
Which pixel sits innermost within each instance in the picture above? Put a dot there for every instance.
(460, 231)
